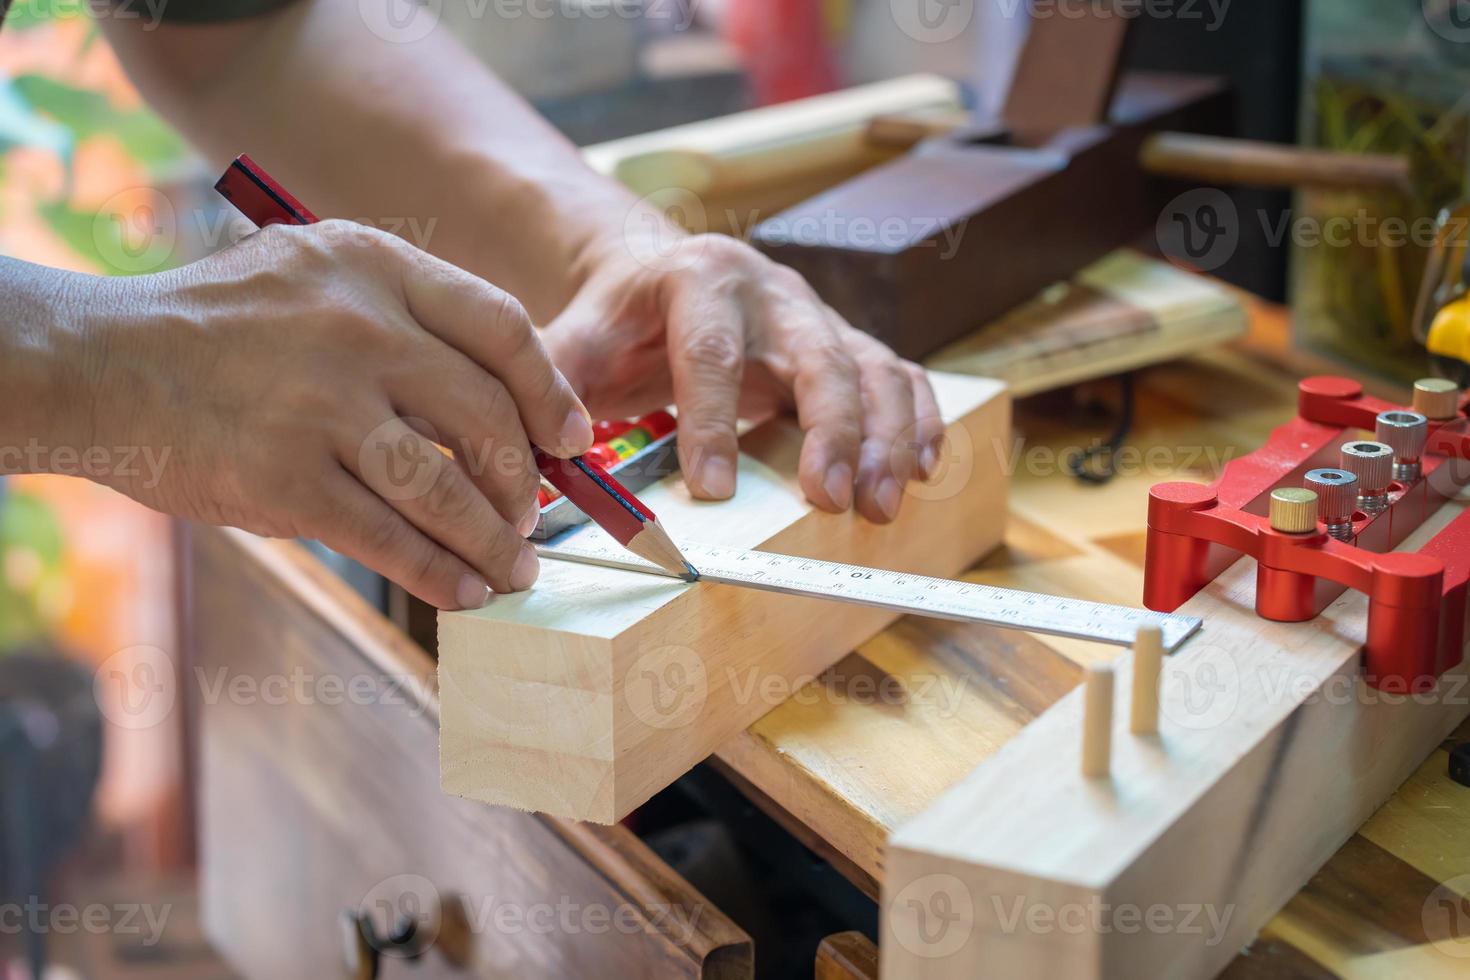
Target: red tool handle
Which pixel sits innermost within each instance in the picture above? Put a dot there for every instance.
(258, 197)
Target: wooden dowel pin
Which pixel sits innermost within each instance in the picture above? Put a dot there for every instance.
(1097, 721)
(1148, 663)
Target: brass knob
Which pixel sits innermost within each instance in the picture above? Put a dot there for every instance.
(1293, 510)
(1436, 398)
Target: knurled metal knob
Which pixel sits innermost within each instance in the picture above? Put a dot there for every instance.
(1372, 464)
(1436, 398)
(1337, 499)
(1293, 510)
(1404, 433)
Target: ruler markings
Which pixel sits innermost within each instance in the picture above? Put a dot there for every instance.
(917, 594)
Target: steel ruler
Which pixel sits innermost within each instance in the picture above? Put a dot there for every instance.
(916, 594)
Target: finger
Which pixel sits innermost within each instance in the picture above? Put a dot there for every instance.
(707, 361)
(828, 407)
(492, 328)
(889, 455)
(410, 473)
(360, 525)
(928, 423)
(474, 416)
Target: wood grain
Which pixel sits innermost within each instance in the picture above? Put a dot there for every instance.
(1232, 808)
(327, 800)
(599, 687)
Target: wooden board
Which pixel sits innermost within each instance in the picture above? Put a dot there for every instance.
(599, 687)
(1121, 313)
(1271, 754)
(316, 731)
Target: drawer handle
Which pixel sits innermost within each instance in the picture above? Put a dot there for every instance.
(445, 928)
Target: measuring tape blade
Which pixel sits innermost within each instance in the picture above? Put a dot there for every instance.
(919, 595)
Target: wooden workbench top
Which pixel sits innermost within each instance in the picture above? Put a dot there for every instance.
(879, 736)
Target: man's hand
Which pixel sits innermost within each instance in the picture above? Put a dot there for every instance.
(299, 382)
(710, 324)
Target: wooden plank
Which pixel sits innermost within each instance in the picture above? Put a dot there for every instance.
(847, 956)
(1271, 754)
(599, 687)
(318, 795)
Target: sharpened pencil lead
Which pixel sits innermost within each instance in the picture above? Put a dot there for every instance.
(693, 574)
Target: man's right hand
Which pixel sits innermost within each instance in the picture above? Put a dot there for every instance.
(299, 382)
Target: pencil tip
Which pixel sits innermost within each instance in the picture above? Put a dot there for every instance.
(692, 575)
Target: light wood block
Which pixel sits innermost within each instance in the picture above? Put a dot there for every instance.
(1271, 752)
(597, 688)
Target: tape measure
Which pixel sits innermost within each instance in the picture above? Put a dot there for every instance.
(918, 595)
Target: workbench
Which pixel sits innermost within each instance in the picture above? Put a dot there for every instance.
(314, 806)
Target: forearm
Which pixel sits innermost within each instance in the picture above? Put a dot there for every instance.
(45, 398)
(417, 137)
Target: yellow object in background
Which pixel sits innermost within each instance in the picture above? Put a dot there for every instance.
(1449, 334)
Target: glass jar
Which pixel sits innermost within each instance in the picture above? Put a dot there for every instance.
(1379, 77)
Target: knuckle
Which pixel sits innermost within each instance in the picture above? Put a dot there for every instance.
(501, 551)
(508, 317)
(384, 533)
(488, 400)
(449, 501)
(714, 351)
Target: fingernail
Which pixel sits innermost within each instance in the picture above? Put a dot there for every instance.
(527, 524)
(717, 477)
(887, 497)
(523, 573)
(576, 432)
(838, 485)
(473, 593)
(929, 460)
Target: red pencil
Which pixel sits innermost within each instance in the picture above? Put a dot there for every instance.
(257, 196)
